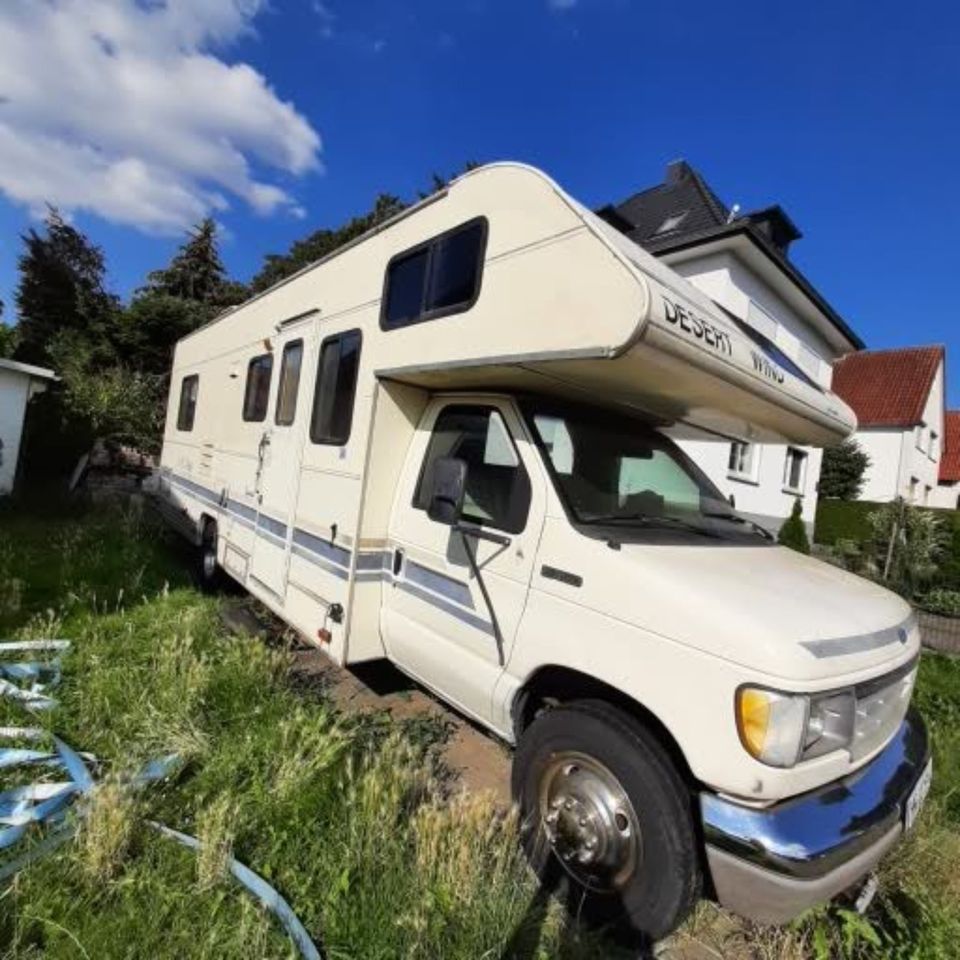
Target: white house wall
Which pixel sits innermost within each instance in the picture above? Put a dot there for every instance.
(723, 278)
(765, 499)
(898, 468)
(14, 391)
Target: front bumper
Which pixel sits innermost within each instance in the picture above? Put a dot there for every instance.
(773, 863)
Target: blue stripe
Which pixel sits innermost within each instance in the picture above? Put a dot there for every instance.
(340, 572)
(322, 548)
(273, 526)
(377, 560)
(434, 601)
(440, 583)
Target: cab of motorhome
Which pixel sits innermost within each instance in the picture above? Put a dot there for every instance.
(450, 444)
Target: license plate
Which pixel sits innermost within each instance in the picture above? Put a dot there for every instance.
(917, 796)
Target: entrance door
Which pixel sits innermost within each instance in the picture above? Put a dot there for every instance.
(435, 621)
(278, 465)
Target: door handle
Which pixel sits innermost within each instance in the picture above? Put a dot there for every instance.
(397, 562)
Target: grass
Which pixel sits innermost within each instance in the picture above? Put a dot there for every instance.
(350, 817)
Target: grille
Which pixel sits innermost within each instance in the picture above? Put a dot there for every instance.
(881, 706)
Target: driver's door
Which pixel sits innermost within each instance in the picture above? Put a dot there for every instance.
(434, 619)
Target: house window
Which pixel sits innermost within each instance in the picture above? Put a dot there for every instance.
(498, 488)
(744, 460)
(934, 450)
(918, 436)
(289, 383)
(435, 279)
(257, 393)
(336, 388)
(912, 492)
(794, 470)
(189, 388)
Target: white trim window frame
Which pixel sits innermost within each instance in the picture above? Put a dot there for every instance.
(795, 471)
(918, 437)
(743, 464)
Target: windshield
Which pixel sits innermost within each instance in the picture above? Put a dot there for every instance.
(615, 470)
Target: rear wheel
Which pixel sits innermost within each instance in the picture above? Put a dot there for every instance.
(607, 818)
(208, 569)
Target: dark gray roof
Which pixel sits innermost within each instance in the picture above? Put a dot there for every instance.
(684, 212)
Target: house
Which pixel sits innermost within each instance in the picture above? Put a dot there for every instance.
(742, 262)
(898, 397)
(18, 383)
(947, 493)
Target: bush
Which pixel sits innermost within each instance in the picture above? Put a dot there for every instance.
(793, 533)
(841, 473)
(942, 601)
(843, 520)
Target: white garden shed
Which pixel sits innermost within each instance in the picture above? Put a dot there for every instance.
(18, 383)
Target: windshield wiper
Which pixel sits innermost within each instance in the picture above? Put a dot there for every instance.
(736, 518)
(647, 519)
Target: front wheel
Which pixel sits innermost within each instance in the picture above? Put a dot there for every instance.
(605, 815)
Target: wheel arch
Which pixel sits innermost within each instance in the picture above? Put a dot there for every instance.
(553, 684)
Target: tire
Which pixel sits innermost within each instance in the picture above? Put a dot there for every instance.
(209, 575)
(651, 878)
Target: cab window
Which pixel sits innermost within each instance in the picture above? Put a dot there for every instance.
(498, 487)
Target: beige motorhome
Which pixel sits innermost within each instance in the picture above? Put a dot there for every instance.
(444, 445)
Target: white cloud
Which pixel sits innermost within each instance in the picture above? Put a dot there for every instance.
(122, 108)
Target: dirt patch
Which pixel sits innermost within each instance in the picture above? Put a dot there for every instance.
(477, 760)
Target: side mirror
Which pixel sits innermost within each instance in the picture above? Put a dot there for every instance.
(448, 484)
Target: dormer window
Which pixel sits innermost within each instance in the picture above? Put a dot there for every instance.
(671, 223)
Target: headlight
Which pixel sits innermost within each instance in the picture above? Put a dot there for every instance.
(781, 729)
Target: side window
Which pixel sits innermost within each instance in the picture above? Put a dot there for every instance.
(189, 388)
(257, 393)
(336, 388)
(289, 383)
(498, 488)
(436, 279)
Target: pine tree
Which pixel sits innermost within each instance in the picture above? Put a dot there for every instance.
(842, 471)
(793, 533)
(197, 272)
(62, 293)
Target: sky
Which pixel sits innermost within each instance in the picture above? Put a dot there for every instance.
(139, 117)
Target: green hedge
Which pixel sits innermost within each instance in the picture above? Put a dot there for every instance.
(847, 520)
(843, 520)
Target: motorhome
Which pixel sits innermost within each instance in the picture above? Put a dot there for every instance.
(450, 444)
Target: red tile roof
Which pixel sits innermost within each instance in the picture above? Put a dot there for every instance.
(887, 388)
(950, 461)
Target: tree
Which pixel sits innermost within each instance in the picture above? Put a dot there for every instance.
(196, 272)
(8, 337)
(842, 471)
(62, 289)
(793, 533)
(322, 242)
(151, 325)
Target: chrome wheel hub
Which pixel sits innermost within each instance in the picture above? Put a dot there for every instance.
(209, 562)
(589, 821)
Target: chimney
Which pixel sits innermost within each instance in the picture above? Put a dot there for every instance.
(776, 226)
(676, 171)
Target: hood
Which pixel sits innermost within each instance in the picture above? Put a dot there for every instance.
(765, 607)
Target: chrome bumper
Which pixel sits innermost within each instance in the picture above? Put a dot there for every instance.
(809, 845)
